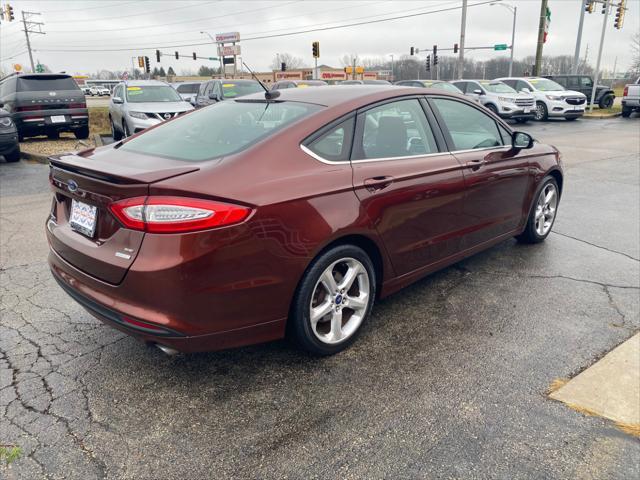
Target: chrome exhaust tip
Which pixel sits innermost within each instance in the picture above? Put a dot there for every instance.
(168, 350)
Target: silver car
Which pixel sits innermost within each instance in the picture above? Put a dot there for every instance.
(500, 98)
(139, 104)
(187, 90)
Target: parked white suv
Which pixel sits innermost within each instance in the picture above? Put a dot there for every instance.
(500, 98)
(552, 99)
(99, 90)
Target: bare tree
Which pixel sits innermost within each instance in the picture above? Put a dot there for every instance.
(292, 62)
(634, 68)
(348, 59)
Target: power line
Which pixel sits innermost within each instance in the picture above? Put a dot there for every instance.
(174, 23)
(111, 5)
(246, 39)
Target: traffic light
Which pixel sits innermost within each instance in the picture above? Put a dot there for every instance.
(619, 20)
(8, 13)
(605, 6)
(158, 56)
(177, 55)
(411, 51)
(141, 62)
(315, 48)
(428, 63)
(435, 55)
(283, 67)
(147, 69)
(455, 48)
(589, 5)
(195, 57)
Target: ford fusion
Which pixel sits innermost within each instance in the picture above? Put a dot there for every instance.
(290, 213)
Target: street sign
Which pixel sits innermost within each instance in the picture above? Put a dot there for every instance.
(500, 46)
(229, 37)
(39, 68)
(228, 61)
(213, 58)
(359, 70)
(229, 50)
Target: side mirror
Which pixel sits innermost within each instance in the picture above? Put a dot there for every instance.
(525, 90)
(477, 91)
(117, 100)
(521, 140)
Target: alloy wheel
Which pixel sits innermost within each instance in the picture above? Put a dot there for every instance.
(539, 112)
(339, 301)
(546, 209)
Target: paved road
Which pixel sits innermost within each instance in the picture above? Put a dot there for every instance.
(448, 379)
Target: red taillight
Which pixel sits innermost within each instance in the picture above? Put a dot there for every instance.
(77, 105)
(30, 108)
(625, 92)
(176, 214)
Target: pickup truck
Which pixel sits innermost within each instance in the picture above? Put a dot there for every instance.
(631, 98)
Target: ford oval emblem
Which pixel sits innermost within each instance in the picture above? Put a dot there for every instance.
(72, 185)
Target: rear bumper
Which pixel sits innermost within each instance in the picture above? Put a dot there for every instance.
(631, 102)
(51, 120)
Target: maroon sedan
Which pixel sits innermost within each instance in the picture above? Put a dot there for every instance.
(258, 218)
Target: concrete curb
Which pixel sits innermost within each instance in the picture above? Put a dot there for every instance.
(603, 116)
(35, 157)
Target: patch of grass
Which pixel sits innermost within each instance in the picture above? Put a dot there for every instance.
(9, 453)
(99, 120)
(603, 111)
(557, 384)
(629, 428)
(618, 91)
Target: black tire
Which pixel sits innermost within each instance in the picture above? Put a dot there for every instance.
(13, 156)
(20, 137)
(530, 234)
(126, 132)
(299, 326)
(541, 113)
(492, 108)
(606, 101)
(115, 133)
(626, 112)
(53, 135)
(571, 119)
(82, 133)
(522, 120)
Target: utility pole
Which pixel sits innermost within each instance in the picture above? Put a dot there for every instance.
(513, 39)
(596, 76)
(31, 27)
(460, 67)
(615, 66)
(541, 27)
(576, 55)
(586, 55)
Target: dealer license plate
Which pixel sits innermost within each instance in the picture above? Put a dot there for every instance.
(83, 218)
(58, 119)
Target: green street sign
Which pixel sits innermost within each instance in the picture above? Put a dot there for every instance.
(39, 68)
(500, 46)
(213, 58)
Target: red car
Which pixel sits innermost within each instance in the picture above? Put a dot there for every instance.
(289, 214)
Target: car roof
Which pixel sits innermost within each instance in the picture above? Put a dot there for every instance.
(234, 80)
(354, 95)
(143, 83)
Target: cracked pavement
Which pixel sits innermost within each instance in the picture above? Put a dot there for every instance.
(447, 380)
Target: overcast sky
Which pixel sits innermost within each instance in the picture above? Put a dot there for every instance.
(139, 27)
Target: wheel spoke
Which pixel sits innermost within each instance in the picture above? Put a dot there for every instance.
(336, 326)
(349, 278)
(329, 282)
(549, 196)
(320, 311)
(358, 303)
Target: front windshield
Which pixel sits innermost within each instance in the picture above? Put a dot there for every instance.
(545, 85)
(240, 89)
(218, 130)
(446, 86)
(152, 93)
(497, 87)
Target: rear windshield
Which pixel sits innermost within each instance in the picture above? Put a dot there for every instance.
(218, 130)
(188, 88)
(152, 93)
(46, 84)
(497, 87)
(239, 89)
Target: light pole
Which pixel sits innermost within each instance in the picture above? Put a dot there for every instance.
(393, 76)
(213, 40)
(513, 9)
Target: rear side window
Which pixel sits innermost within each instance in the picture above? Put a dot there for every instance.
(468, 127)
(335, 144)
(46, 84)
(188, 88)
(222, 129)
(396, 129)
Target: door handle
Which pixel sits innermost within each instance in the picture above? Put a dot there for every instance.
(378, 183)
(475, 164)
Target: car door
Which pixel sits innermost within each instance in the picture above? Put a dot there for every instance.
(497, 177)
(116, 108)
(408, 185)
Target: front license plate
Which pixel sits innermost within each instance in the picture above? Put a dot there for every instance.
(83, 218)
(527, 110)
(58, 119)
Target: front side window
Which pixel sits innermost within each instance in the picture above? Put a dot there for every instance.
(152, 93)
(468, 127)
(335, 144)
(396, 129)
(222, 129)
(586, 82)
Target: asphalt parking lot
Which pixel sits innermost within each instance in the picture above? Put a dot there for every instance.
(448, 379)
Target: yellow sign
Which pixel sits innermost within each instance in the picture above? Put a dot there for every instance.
(359, 69)
(17, 67)
(133, 88)
(348, 70)
(228, 85)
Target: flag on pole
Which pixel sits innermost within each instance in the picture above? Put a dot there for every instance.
(547, 22)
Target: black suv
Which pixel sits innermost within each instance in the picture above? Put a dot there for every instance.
(584, 84)
(45, 104)
(9, 146)
(213, 91)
